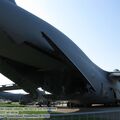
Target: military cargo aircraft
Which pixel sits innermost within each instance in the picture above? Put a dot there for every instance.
(35, 54)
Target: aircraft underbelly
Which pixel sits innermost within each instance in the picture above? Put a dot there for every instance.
(25, 54)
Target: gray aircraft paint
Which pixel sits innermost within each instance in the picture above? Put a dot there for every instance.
(22, 26)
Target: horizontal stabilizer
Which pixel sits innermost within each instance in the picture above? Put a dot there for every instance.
(115, 76)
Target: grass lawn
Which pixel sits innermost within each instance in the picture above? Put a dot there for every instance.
(30, 112)
(13, 104)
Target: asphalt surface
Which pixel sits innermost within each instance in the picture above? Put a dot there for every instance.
(101, 113)
(91, 109)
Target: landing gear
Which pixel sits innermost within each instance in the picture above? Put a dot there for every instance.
(115, 104)
(48, 104)
(85, 105)
(69, 105)
(73, 105)
(88, 105)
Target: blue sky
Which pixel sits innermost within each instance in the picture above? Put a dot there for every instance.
(94, 25)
